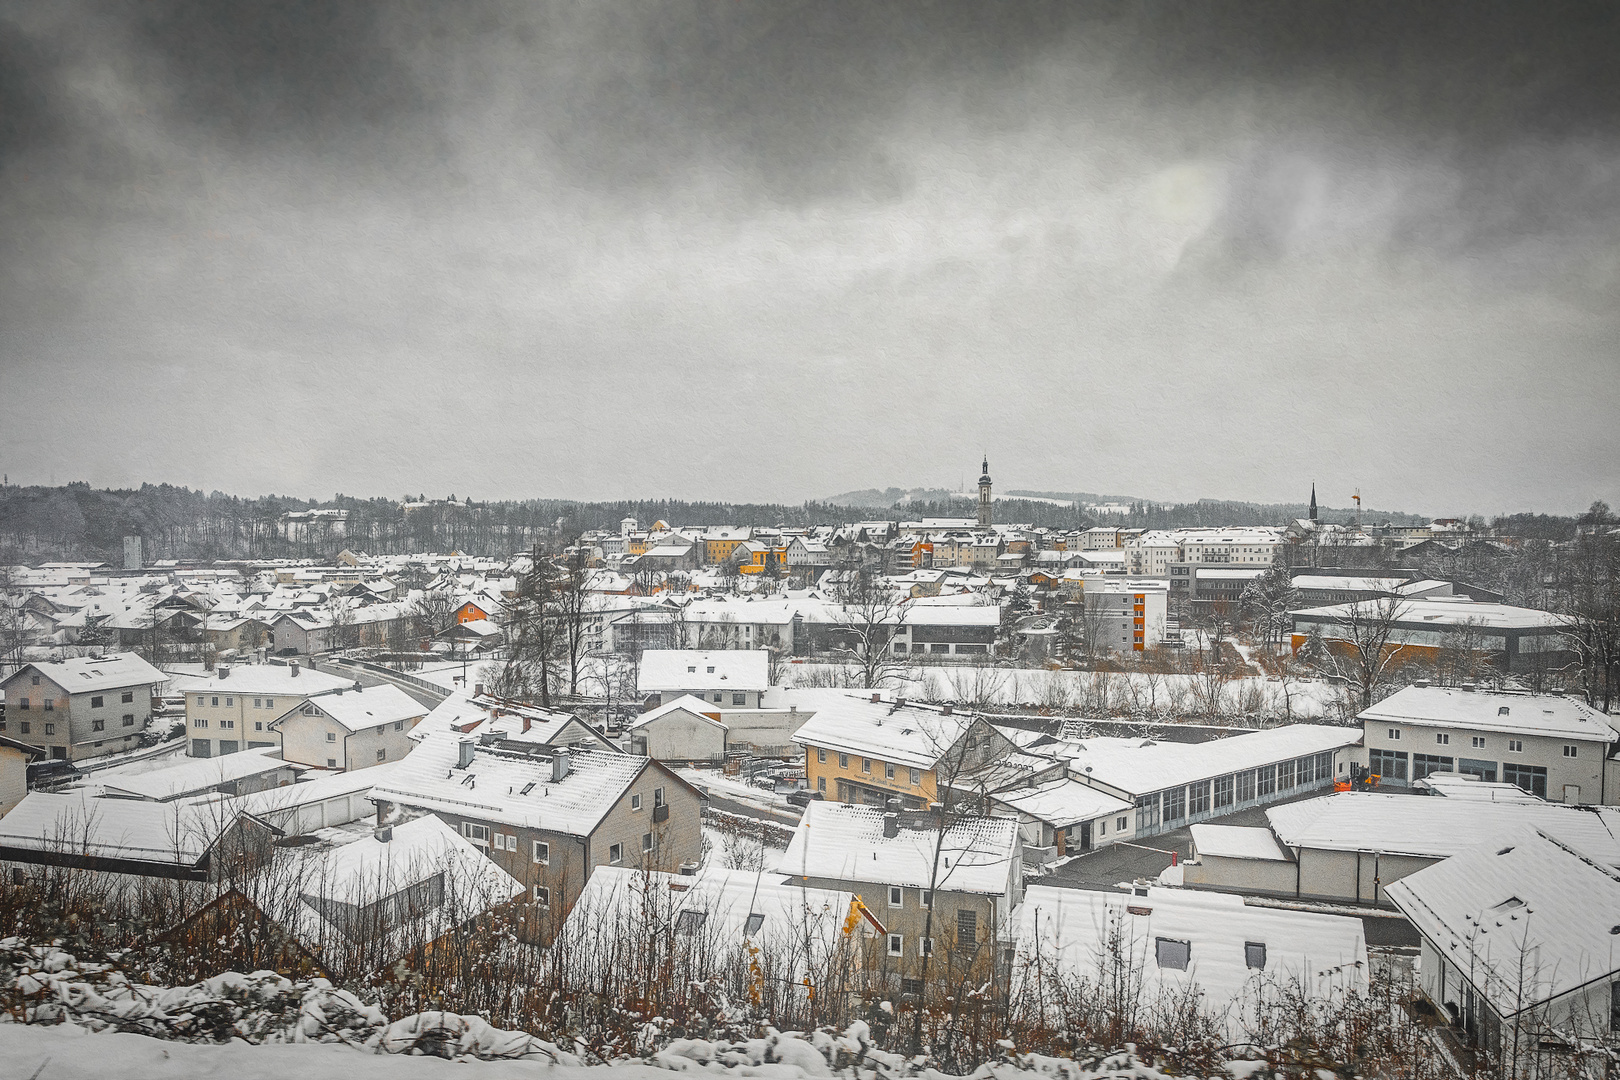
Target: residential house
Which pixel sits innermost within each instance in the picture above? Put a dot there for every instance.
(14, 759)
(349, 729)
(549, 819)
(943, 887)
(234, 708)
(734, 677)
(684, 729)
(80, 708)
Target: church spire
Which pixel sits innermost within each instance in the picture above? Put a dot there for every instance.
(1313, 500)
(984, 494)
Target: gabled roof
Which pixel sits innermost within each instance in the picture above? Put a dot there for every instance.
(846, 843)
(359, 709)
(849, 722)
(176, 834)
(1524, 918)
(696, 706)
(189, 776)
(87, 674)
(276, 680)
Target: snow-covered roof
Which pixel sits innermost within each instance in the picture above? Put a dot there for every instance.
(176, 833)
(1469, 786)
(87, 674)
(1551, 715)
(1437, 828)
(1236, 842)
(1442, 612)
(510, 787)
(846, 843)
(188, 776)
(323, 786)
(693, 669)
(1524, 918)
(1229, 573)
(1062, 802)
(696, 706)
(271, 679)
(1071, 929)
(1348, 583)
(1140, 766)
(951, 615)
(358, 709)
(853, 723)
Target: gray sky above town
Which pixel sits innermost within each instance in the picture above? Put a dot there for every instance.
(775, 251)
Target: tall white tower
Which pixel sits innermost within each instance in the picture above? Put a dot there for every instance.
(984, 495)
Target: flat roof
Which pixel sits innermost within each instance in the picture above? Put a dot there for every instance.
(1141, 766)
(1236, 842)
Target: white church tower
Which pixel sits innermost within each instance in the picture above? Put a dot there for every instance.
(984, 495)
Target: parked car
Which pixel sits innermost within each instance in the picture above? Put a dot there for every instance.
(803, 798)
(54, 771)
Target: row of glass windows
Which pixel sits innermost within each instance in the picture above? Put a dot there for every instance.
(212, 701)
(1392, 765)
(1179, 803)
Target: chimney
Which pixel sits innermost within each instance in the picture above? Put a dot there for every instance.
(526, 722)
(891, 825)
(899, 702)
(478, 689)
(891, 805)
(384, 834)
(357, 686)
(689, 869)
(945, 709)
(559, 765)
(464, 756)
(876, 698)
(224, 671)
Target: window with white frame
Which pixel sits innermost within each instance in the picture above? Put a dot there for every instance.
(542, 896)
(1442, 739)
(897, 896)
(478, 834)
(1515, 746)
(1394, 734)
(616, 854)
(897, 945)
(542, 853)
(635, 803)
(1477, 742)
(1569, 751)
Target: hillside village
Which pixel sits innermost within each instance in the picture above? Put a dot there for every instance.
(900, 757)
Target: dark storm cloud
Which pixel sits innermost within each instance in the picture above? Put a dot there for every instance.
(801, 214)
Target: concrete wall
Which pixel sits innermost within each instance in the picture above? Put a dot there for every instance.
(682, 736)
(1257, 877)
(242, 723)
(765, 731)
(1584, 771)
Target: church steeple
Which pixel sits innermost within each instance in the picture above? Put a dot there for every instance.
(984, 494)
(1313, 500)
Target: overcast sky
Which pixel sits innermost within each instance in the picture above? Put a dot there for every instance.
(776, 251)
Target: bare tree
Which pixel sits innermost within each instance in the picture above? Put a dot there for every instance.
(871, 618)
(1266, 602)
(1589, 597)
(1362, 649)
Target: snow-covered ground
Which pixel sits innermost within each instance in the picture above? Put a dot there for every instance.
(737, 789)
(730, 851)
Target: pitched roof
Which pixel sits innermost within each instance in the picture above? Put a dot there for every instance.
(74, 823)
(188, 776)
(846, 843)
(510, 787)
(1524, 918)
(269, 679)
(375, 705)
(1551, 715)
(86, 674)
(685, 703)
(852, 723)
(1061, 802)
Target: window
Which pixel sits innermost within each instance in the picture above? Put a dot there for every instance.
(635, 803)
(1121, 823)
(925, 946)
(752, 925)
(1388, 764)
(230, 702)
(1198, 796)
(896, 896)
(478, 834)
(658, 797)
(1171, 953)
(1569, 751)
(95, 703)
(711, 669)
(739, 699)
(897, 945)
(1442, 738)
(1254, 954)
(542, 853)
(1532, 778)
(616, 854)
(1503, 711)
(34, 681)
(331, 763)
(382, 755)
(916, 777)
(1304, 770)
(98, 724)
(1394, 734)
(258, 725)
(542, 896)
(1223, 791)
(23, 704)
(1424, 764)
(646, 841)
(1175, 804)
(269, 702)
(1102, 829)
(1285, 775)
(888, 772)
(821, 757)
(128, 698)
(866, 765)
(214, 702)
(1477, 742)
(1515, 746)
(50, 704)
(690, 922)
(1245, 786)
(927, 899)
(967, 926)
(399, 725)
(331, 736)
(1265, 781)
(50, 729)
(129, 719)
(821, 783)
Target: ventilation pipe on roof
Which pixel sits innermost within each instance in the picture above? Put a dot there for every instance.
(559, 765)
(292, 667)
(526, 722)
(478, 689)
(891, 825)
(464, 754)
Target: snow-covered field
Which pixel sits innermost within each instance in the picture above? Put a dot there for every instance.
(730, 851)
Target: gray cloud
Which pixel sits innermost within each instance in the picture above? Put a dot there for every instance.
(774, 251)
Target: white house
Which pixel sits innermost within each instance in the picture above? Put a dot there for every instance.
(734, 677)
(685, 729)
(350, 729)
